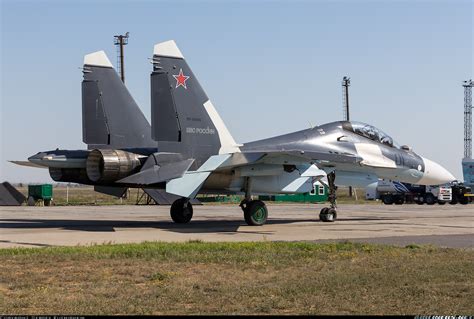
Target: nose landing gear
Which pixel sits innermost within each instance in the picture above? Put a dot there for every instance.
(328, 214)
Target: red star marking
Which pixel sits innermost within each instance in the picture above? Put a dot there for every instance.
(181, 79)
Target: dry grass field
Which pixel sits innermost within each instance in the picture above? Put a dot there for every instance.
(237, 278)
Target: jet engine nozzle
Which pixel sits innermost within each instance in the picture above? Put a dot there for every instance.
(111, 165)
(435, 174)
(69, 175)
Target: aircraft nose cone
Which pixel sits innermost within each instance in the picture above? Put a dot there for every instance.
(435, 174)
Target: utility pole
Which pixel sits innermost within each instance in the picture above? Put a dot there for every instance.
(468, 118)
(346, 81)
(467, 161)
(120, 41)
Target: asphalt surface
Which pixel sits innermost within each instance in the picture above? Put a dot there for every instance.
(446, 226)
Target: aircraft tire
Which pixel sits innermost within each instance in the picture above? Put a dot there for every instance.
(181, 211)
(440, 202)
(323, 214)
(328, 214)
(256, 213)
(464, 201)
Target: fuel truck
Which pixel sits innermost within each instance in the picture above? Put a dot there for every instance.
(393, 192)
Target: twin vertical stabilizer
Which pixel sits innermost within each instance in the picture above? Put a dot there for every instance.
(183, 119)
(110, 116)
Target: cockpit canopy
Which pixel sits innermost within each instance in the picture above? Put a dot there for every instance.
(370, 132)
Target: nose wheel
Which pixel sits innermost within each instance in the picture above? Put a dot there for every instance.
(329, 214)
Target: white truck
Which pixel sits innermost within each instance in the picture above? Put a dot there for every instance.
(393, 192)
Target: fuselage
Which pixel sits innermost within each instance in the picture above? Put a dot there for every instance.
(375, 155)
(378, 157)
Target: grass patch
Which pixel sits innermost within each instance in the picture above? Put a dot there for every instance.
(236, 278)
(157, 276)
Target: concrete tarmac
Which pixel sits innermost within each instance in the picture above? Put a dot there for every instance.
(446, 226)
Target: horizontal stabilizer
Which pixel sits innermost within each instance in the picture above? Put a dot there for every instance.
(161, 197)
(162, 158)
(189, 185)
(158, 174)
(109, 190)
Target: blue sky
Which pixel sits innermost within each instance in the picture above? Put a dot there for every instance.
(270, 67)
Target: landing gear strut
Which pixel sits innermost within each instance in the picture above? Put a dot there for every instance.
(181, 211)
(255, 211)
(329, 214)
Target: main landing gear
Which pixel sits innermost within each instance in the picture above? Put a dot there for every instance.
(329, 214)
(181, 211)
(255, 211)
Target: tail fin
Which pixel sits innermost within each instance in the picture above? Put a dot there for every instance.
(182, 116)
(110, 116)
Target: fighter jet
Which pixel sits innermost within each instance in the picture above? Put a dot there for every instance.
(188, 150)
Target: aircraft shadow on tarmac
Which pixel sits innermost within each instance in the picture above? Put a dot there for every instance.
(197, 226)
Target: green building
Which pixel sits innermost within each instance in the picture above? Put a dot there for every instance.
(319, 193)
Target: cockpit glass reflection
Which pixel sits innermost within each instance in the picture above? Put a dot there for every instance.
(370, 132)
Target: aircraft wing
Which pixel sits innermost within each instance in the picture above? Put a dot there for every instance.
(295, 157)
(287, 157)
(27, 163)
(189, 183)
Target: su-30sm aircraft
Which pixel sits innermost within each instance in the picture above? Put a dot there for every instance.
(188, 150)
